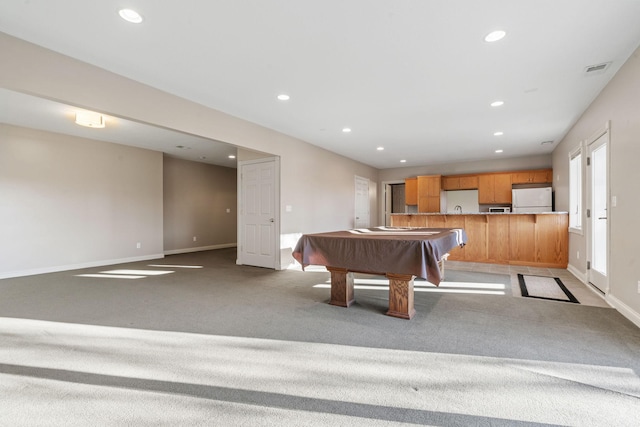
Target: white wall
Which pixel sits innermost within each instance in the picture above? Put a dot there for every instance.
(618, 103)
(69, 202)
(541, 161)
(196, 199)
(318, 184)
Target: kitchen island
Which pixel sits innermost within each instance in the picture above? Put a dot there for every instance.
(530, 239)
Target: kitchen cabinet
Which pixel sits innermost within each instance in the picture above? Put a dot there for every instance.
(411, 191)
(539, 240)
(429, 187)
(494, 188)
(460, 182)
(542, 176)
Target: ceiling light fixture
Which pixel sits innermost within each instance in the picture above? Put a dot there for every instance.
(90, 119)
(499, 151)
(497, 103)
(346, 130)
(231, 156)
(403, 161)
(130, 15)
(283, 97)
(499, 133)
(380, 148)
(494, 36)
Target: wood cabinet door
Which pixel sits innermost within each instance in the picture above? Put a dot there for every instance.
(521, 177)
(468, 182)
(411, 191)
(450, 183)
(429, 193)
(542, 176)
(502, 188)
(486, 185)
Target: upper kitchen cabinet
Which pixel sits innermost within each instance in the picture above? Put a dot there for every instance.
(542, 176)
(411, 191)
(429, 187)
(460, 182)
(494, 188)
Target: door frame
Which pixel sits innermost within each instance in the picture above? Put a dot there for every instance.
(603, 132)
(276, 204)
(368, 204)
(386, 200)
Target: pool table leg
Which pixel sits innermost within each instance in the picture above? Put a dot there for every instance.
(341, 287)
(401, 296)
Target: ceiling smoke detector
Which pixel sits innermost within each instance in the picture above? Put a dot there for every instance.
(596, 69)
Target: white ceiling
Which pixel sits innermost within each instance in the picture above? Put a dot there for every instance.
(413, 76)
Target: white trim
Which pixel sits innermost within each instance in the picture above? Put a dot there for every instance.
(577, 273)
(624, 309)
(382, 206)
(58, 268)
(200, 248)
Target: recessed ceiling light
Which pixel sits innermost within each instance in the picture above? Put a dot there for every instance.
(380, 148)
(346, 130)
(231, 156)
(494, 36)
(499, 133)
(202, 157)
(499, 151)
(183, 147)
(497, 103)
(90, 119)
(403, 161)
(283, 97)
(130, 15)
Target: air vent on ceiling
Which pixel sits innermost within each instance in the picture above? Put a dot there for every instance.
(596, 69)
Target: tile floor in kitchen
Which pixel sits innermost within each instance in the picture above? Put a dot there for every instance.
(586, 294)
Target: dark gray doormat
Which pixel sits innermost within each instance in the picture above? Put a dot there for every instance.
(549, 288)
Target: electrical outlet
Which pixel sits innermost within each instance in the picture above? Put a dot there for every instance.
(195, 238)
(578, 255)
(639, 286)
(138, 245)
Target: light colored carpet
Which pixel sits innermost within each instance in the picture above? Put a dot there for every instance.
(236, 345)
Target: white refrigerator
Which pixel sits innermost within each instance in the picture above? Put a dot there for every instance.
(526, 200)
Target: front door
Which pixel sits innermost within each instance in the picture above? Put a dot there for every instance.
(258, 213)
(597, 203)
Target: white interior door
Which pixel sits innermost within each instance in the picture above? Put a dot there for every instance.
(363, 215)
(598, 214)
(259, 213)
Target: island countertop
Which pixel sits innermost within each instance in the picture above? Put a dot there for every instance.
(534, 239)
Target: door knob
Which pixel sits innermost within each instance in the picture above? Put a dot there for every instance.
(272, 220)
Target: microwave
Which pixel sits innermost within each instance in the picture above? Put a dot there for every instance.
(503, 209)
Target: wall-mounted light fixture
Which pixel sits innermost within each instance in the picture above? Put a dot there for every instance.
(90, 119)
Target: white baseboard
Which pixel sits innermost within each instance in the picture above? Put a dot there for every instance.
(577, 273)
(67, 267)
(200, 248)
(614, 302)
(624, 309)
